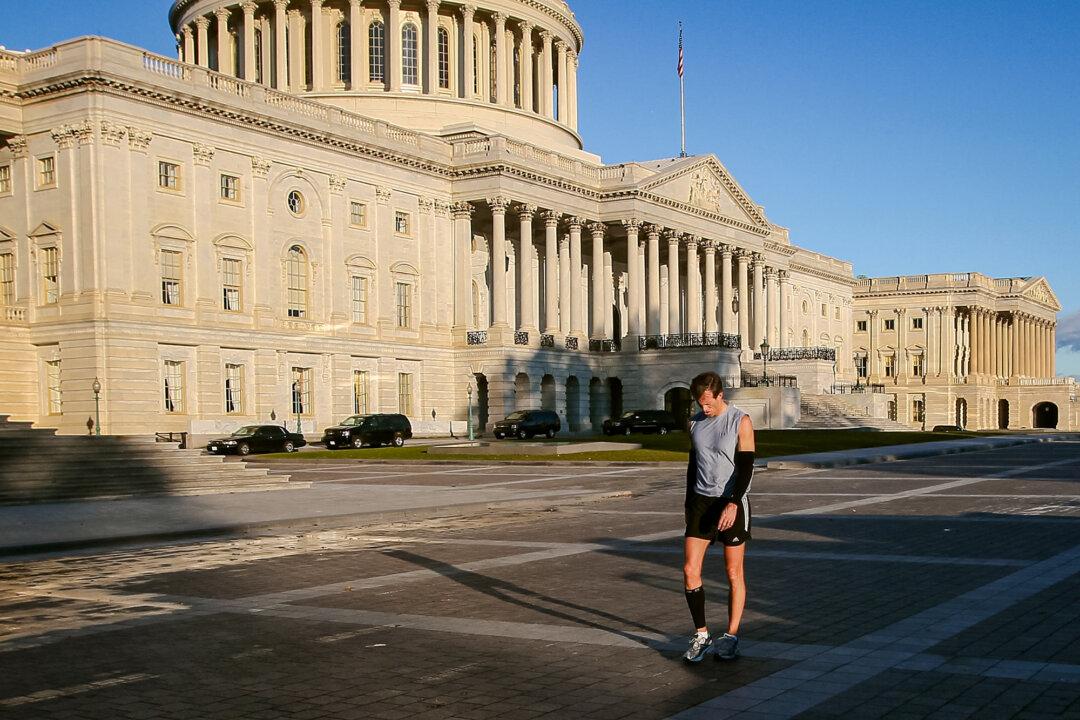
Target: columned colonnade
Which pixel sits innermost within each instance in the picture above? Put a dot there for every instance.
(430, 47)
(1002, 345)
(692, 293)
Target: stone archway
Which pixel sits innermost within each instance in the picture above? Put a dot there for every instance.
(615, 396)
(547, 392)
(573, 404)
(678, 402)
(1045, 416)
(523, 399)
(481, 401)
(597, 404)
(1003, 415)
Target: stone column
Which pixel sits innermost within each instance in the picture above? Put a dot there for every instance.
(1042, 348)
(901, 345)
(742, 257)
(641, 310)
(575, 276)
(571, 88)
(393, 46)
(527, 66)
(672, 238)
(759, 301)
(773, 311)
(432, 47)
(545, 74)
(248, 6)
(783, 300)
(652, 273)
(318, 47)
(1029, 350)
(728, 323)
(357, 46)
(633, 302)
(281, 61)
(500, 58)
(202, 27)
(462, 213)
(560, 50)
(710, 286)
(606, 300)
(469, 82)
(551, 272)
(1051, 341)
(498, 261)
(565, 300)
(871, 355)
(224, 46)
(526, 292)
(693, 286)
(987, 344)
(189, 44)
(297, 62)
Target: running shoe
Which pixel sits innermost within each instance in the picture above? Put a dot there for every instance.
(699, 648)
(726, 647)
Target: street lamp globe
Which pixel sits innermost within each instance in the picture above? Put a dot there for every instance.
(96, 387)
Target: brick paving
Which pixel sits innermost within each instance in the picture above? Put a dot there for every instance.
(932, 588)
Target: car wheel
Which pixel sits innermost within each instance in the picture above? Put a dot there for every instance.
(289, 446)
(522, 435)
(243, 449)
(663, 431)
(358, 442)
(626, 432)
(550, 433)
(399, 439)
(498, 436)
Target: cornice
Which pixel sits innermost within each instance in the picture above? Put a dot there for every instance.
(823, 274)
(684, 207)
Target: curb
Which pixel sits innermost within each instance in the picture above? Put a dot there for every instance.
(897, 452)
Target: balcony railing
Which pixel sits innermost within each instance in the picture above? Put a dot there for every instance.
(847, 388)
(749, 379)
(800, 353)
(605, 345)
(476, 337)
(689, 340)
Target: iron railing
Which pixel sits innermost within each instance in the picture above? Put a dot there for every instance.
(605, 345)
(547, 341)
(689, 340)
(172, 437)
(752, 380)
(571, 342)
(521, 338)
(848, 388)
(800, 353)
(476, 337)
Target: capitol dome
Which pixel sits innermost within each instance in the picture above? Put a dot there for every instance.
(504, 66)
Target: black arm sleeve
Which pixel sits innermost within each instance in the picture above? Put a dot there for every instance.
(744, 471)
(691, 471)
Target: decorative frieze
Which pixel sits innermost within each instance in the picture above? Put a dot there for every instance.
(204, 154)
(138, 139)
(17, 145)
(112, 134)
(260, 167)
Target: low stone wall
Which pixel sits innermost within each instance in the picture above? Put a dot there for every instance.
(770, 408)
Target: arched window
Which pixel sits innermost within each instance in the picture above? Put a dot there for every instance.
(296, 270)
(376, 52)
(258, 56)
(475, 65)
(493, 71)
(409, 70)
(344, 54)
(517, 76)
(444, 58)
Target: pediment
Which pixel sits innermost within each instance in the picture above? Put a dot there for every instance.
(1039, 291)
(44, 230)
(6, 235)
(706, 185)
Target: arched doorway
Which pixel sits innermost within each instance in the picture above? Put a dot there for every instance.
(615, 398)
(1003, 414)
(481, 401)
(573, 404)
(597, 403)
(961, 412)
(547, 392)
(677, 401)
(522, 392)
(1044, 415)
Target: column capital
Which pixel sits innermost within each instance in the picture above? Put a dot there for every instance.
(222, 14)
(499, 18)
(462, 210)
(202, 22)
(725, 250)
(525, 211)
(249, 7)
(433, 5)
(770, 271)
(632, 225)
(551, 218)
(872, 313)
(186, 31)
(901, 312)
(653, 229)
(672, 236)
(757, 258)
(574, 223)
(710, 246)
(741, 256)
(356, 4)
(498, 204)
(467, 11)
(316, 4)
(526, 27)
(692, 240)
(597, 229)
(560, 45)
(545, 37)
(783, 275)
(281, 4)
(394, 4)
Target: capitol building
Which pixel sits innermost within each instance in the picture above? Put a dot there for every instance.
(329, 207)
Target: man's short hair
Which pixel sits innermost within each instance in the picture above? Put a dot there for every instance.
(706, 381)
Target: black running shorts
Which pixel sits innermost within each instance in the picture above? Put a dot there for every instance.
(703, 519)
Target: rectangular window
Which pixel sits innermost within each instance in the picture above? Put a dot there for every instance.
(860, 325)
(917, 366)
(405, 393)
(5, 179)
(918, 411)
(52, 372)
(402, 225)
(174, 386)
(861, 366)
(890, 366)
(47, 172)
(358, 214)
(836, 313)
(170, 277)
(404, 305)
(444, 58)
(234, 389)
(824, 310)
(230, 284)
(916, 323)
(359, 300)
(7, 279)
(301, 391)
(890, 324)
(50, 275)
(360, 392)
(230, 188)
(168, 175)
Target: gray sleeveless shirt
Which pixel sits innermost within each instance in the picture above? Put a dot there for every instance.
(713, 443)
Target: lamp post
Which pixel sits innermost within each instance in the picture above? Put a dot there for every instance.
(297, 404)
(470, 415)
(858, 374)
(96, 387)
(764, 362)
(834, 375)
(735, 312)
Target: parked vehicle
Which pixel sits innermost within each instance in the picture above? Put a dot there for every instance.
(255, 439)
(359, 430)
(641, 421)
(525, 424)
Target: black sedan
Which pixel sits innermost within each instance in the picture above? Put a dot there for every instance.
(257, 438)
(640, 421)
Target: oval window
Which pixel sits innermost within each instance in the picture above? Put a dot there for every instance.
(295, 202)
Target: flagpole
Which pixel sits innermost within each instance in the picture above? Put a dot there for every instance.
(682, 95)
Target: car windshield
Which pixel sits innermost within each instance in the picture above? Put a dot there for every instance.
(246, 430)
(628, 415)
(519, 415)
(354, 420)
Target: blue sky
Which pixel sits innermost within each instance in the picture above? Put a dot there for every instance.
(908, 137)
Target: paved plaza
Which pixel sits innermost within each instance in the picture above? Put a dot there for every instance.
(932, 588)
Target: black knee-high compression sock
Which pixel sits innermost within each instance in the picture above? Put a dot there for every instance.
(695, 599)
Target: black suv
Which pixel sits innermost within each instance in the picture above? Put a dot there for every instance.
(359, 430)
(257, 438)
(640, 421)
(525, 424)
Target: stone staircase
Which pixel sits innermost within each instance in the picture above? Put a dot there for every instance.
(39, 466)
(827, 412)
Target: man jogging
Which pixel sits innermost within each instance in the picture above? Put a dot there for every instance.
(717, 480)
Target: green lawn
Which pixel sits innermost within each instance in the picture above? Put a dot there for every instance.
(673, 447)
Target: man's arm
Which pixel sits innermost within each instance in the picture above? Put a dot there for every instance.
(691, 465)
(744, 471)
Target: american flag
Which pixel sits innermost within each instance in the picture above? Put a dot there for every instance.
(680, 51)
